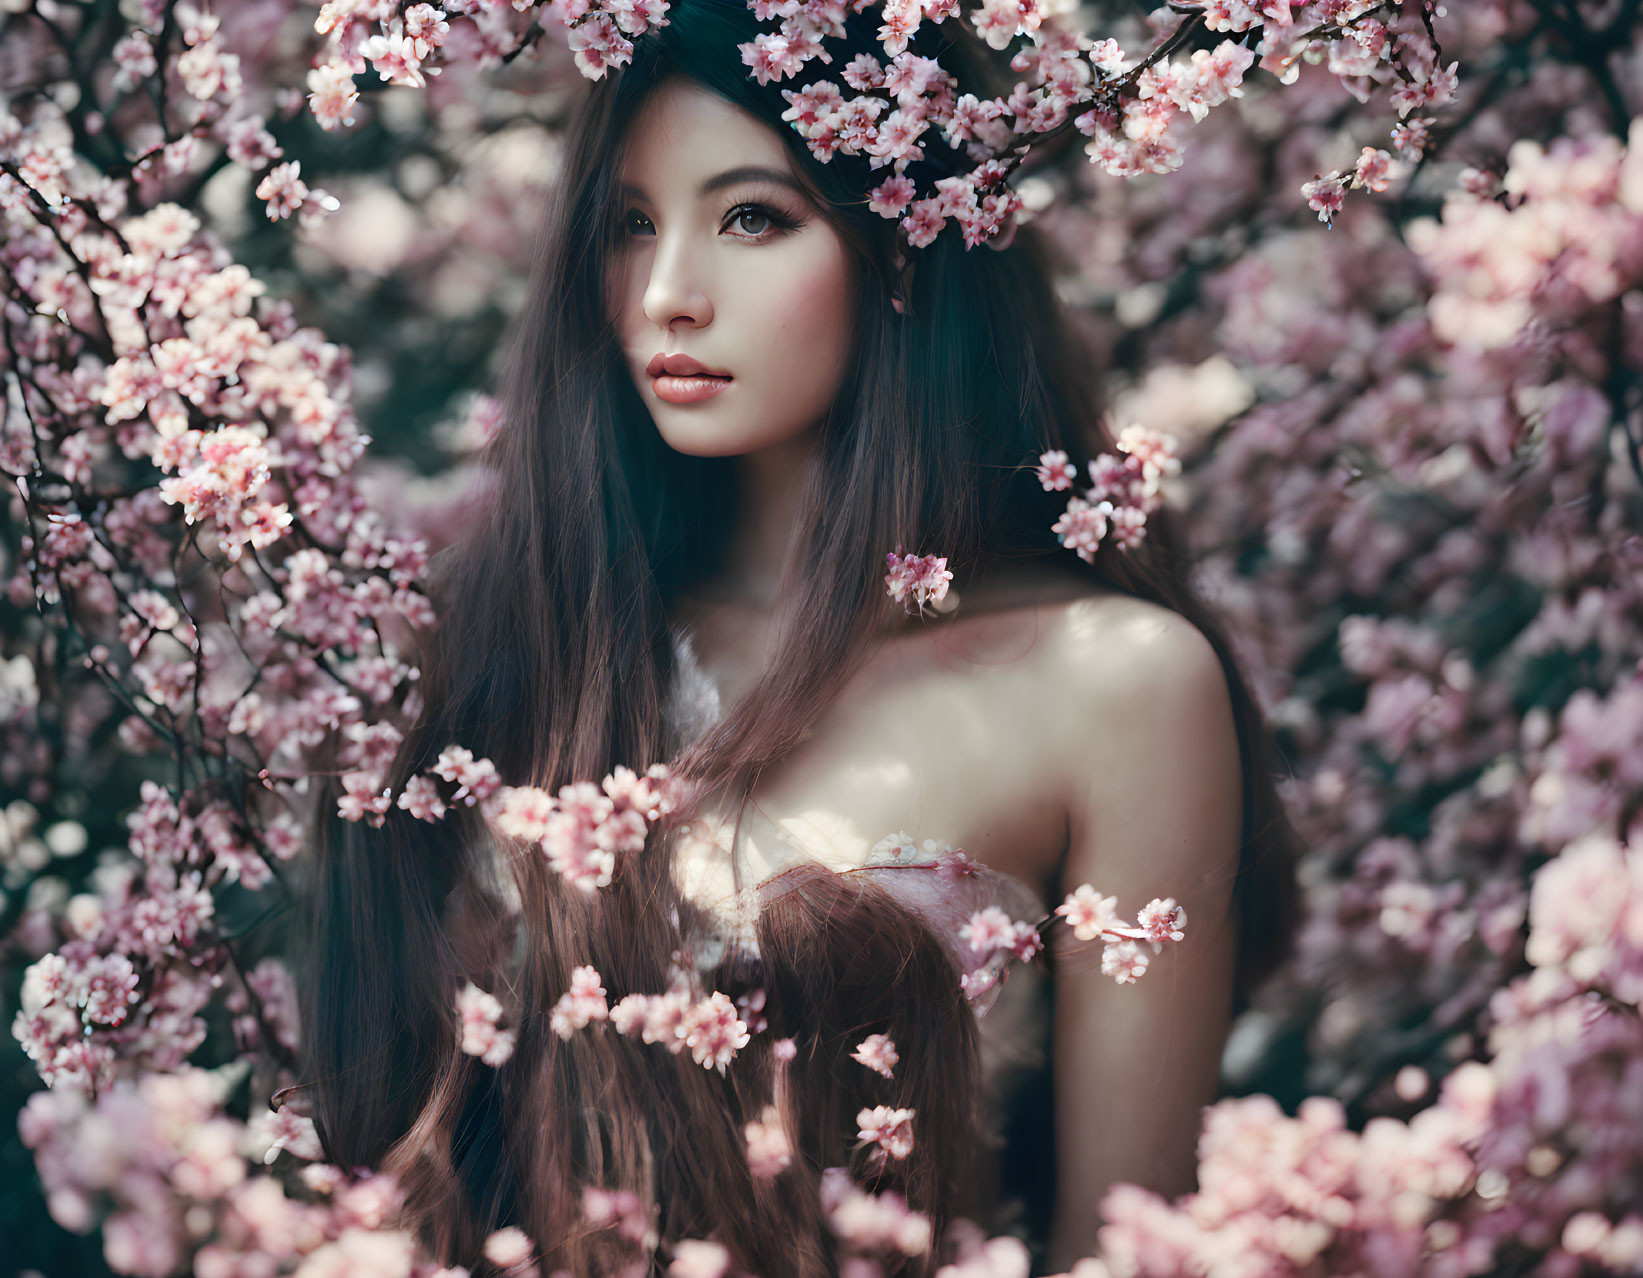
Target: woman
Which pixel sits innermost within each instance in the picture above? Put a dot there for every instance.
(733, 391)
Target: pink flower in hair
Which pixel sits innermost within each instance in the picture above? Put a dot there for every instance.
(872, 1222)
(713, 1031)
(508, 1248)
(361, 800)
(891, 1129)
(892, 195)
(627, 1015)
(1082, 526)
(524, 812)
(1055, 472)
(421, 799)
(693, 1258)
(768, 1150)
(771, 56)
(923, 223)
(988, 929)
(581, 1004)
(480, 1014)
(1025, 942)
(913, 579)
(1128, 527)
(878, 1053)
(615, 1208)
(1152, 452)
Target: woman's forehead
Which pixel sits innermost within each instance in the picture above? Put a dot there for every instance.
(683, 128)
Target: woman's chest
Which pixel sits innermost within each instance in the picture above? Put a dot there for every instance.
(934, 738)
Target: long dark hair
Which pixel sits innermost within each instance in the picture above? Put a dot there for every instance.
(552, 658)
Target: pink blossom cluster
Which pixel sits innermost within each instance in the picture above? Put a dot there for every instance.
(769, 1152)
(878, 1053)
(1389, 462)
(710, 1026)
(599, 32)
(889, 1128)
(990, 929)
(163, 1166)
(1125, 487)
(1410, 451)
(480, 1015)
(916, 580)
(1125, 106)
(1092, 916)
(586, 828)
(869, 1223)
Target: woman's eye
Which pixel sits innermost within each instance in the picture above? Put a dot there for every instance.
(743, 213)
(773, 220)
(635, 223)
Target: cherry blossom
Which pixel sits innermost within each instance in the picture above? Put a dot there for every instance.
(580, 1005)
(890, 1129)
(1404, 447)
(916, 580)
(480, 1014)
(878, 1053)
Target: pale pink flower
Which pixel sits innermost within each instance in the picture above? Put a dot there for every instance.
(1325, 195)
(476, 779)
(916, 580)
(694, 1258)
(421, 799)
(872, 1222)
(283, 190)
(1055, 472)
(891, 196)
(1082, 526)
(1124, 961)
(579, 1005)
(878, 1053)
(1088, 913)
(524, 812)
(768, 1150)
(1025, 942)
(509, 1248)
(332, 95)
(1375, 170)
(891, 1129)
(479, 1013)
(361, 800)
(988, 929)
(1162, 920)
(713, 1031)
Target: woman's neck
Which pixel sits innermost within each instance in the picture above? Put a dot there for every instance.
(768, 487)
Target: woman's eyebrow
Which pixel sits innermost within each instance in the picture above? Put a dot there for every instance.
(743, 173)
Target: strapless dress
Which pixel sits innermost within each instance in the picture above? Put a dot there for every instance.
(1012, 999)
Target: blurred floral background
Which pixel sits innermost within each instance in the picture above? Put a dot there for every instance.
(248, 327)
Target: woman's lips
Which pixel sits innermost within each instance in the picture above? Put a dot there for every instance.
(687, 390)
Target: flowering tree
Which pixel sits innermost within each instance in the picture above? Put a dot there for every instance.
(1411, 422)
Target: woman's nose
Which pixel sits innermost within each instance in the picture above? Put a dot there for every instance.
(676, 290)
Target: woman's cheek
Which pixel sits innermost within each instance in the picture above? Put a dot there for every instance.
(810, 317)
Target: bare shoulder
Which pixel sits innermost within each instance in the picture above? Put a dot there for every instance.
(1137, 731)
(1114, 646)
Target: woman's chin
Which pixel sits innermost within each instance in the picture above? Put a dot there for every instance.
(715, 439)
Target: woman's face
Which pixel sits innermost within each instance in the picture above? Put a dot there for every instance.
(722, 260)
